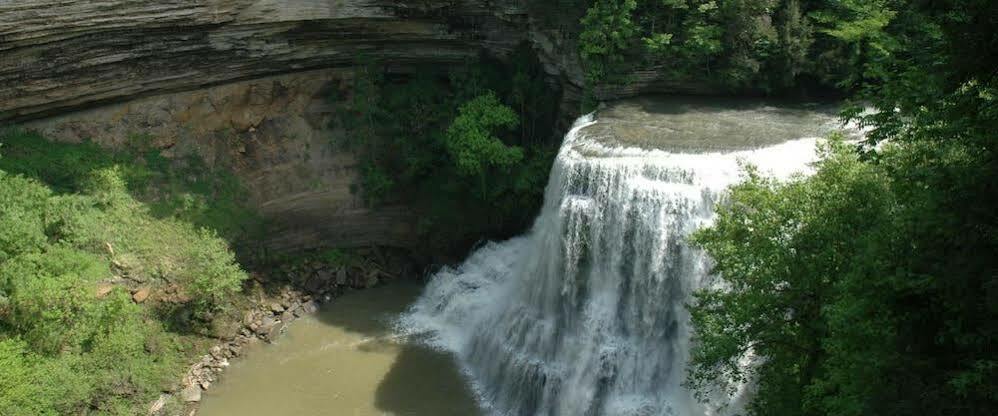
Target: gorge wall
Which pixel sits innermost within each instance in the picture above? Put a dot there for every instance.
(273, 134)
(242, 84)
(66, 55)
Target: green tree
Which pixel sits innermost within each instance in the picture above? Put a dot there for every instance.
(608, 34)
(212, 275)
(780, 250)
(471, 139)
(869, 288)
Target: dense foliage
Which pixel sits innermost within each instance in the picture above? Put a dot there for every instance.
(469, 147)
(73, 243)
(871, 288)
(184, 189)
(761, 45)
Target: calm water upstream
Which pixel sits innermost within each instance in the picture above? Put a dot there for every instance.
(344, 361)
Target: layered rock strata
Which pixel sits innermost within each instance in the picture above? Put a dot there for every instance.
(59, 56)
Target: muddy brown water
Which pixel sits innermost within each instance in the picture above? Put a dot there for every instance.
(345, 361)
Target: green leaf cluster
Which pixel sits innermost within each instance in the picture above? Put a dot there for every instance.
(470, 139)
(871, 287)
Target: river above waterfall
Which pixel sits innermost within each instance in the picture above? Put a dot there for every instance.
(344, 360)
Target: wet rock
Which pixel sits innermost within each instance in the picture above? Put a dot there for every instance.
(276, 307)
(266, 325)
(191, 393)
(310, 307)
(275, 331)
(216, 352)
(248, 317)
(341, 276)
(315, 284)
(287, 316)
(371, 280)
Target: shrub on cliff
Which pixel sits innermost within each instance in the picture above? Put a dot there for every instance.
(65, 346)
(183, 189)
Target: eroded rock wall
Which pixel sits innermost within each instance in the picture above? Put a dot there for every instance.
(274, 134)
(59, 56)
(242, 84)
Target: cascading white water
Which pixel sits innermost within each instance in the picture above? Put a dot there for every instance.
(584, 315)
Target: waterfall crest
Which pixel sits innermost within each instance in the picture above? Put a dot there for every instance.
(584, 314)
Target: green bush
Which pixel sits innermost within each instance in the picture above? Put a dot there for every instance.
(761, 45)
(64, 350)
(184, 189)
(26, 389)
(212, 274)
(48, 294)
(129, 359)
(20, 232)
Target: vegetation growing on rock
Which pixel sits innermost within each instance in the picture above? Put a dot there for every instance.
(469, 147)
(76, 251)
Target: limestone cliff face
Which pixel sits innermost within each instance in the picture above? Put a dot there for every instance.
(65, 55)
(273, 134)
(240, 84)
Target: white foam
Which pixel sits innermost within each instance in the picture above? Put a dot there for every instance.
(584, 315)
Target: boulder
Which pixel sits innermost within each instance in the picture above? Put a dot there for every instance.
(266, 325)
(275, 331)
(103, 289)
(141, 295)
(191, 393)
(371, 280)
(310, 307)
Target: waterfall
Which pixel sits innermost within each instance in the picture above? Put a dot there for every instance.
(584, 315)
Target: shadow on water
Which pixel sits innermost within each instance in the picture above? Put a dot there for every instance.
(345, 360)
(408, 388)
(421, 381)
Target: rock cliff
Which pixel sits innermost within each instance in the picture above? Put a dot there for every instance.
(273, 134)
(61, 55)
(240, 84)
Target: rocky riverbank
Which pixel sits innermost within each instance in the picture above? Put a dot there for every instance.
(305, 285)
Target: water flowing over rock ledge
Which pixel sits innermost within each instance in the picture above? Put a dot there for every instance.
(585, 314)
